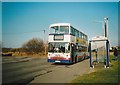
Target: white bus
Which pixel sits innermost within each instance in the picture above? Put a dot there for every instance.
(66, 44)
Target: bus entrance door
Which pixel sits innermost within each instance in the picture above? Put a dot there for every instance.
(72, 52)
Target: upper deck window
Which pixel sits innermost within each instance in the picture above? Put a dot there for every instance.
(54, 29)
(86, 37)
(59, 29)
(74, 32)
(80, 34)
(64, 29)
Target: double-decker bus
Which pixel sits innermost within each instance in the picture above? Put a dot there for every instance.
(66, 44)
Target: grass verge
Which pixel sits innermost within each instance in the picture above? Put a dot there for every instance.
(100, 74)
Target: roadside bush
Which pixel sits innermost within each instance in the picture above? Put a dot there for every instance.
(34, 45)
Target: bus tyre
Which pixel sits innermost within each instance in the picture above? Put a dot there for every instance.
(76, 59)
(72, 59)
(84, 57)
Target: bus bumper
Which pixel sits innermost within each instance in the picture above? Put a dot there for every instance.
(59, 61)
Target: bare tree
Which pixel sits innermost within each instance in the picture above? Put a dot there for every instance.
(34, 45)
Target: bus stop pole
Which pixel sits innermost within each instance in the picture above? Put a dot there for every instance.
(90, 54)
(107, 53)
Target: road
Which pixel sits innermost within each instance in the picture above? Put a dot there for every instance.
(64, 73)
(38, 70)
(23, 70)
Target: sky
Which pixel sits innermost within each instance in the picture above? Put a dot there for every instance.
(0, 22)
(22, 21)
(60, 0)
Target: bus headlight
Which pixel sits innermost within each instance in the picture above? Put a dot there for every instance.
(49, 56)
(67, 57)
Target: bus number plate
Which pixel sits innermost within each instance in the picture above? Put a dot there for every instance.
(57, 61)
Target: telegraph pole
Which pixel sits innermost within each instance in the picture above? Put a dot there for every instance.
(106, 27)
(44, 42)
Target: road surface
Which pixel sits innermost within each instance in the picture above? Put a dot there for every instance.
(63, 73)
(22, 69)
(30, 70)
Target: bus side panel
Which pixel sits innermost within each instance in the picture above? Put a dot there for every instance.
(81, 56)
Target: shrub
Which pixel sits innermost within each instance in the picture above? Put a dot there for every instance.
(34, 45)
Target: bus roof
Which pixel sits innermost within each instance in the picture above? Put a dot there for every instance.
(59, 24)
